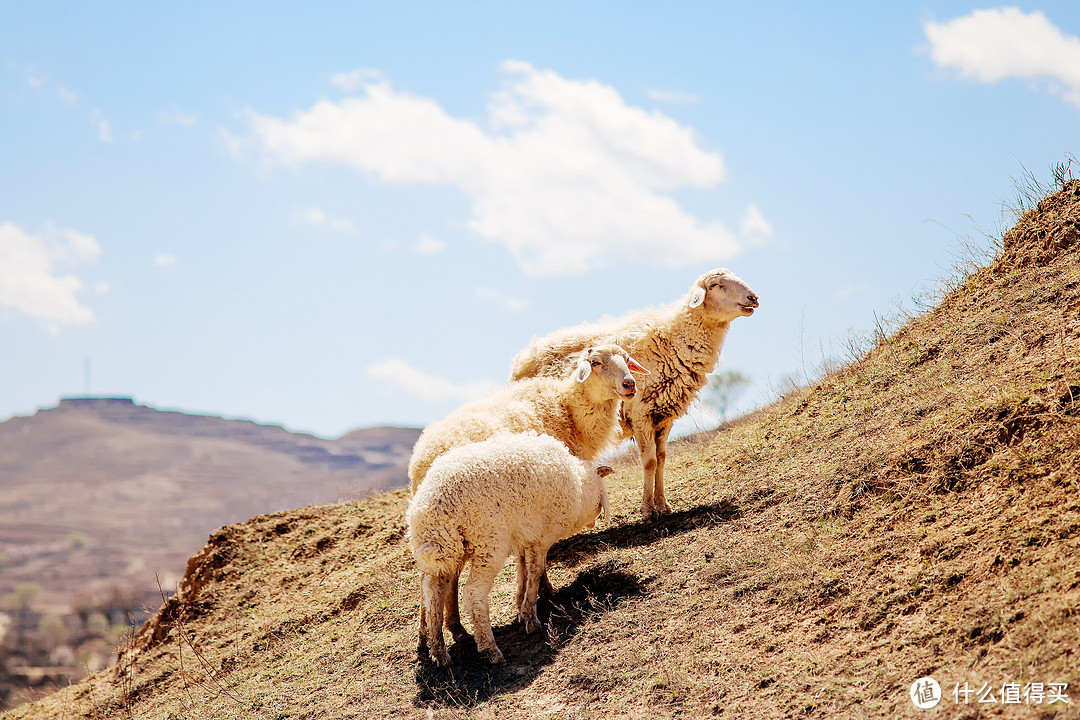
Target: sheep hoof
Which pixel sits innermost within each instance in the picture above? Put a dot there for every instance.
(495, 656)
(458, 631)
(531, 622)
(441, 658)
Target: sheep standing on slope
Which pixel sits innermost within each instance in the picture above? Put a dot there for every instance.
(580, 409)
(578, 406)
(510, 494)
(680, 344)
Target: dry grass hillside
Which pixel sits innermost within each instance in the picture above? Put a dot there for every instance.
(915, 513)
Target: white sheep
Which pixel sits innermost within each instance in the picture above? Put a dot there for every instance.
(581, 409)
(679, 343)
(579, 406)
(512, 494)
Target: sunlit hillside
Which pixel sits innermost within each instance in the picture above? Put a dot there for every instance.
(913, 514)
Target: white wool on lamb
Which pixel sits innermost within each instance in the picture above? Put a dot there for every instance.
(579, 406)
(512, 494)
(679, 343)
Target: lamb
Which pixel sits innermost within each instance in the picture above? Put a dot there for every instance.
(580, 409)
(681, 343)
(480, 503)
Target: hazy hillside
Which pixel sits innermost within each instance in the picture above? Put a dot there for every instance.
(97, 496)
(913, 514)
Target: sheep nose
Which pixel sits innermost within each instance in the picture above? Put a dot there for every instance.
(629, 385)
(753, 298)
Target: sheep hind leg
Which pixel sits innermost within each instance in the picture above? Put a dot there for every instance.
(476, 591)
(453, 612)
(421, 642)
(433, 592)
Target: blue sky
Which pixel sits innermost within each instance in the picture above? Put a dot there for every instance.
(337, 215)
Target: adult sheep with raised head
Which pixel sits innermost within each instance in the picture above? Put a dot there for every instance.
(512, 494)
(679, 343)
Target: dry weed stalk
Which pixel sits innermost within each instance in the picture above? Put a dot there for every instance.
(218, 690)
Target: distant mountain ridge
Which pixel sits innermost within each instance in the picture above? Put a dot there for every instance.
(363, 449)
(101, 491)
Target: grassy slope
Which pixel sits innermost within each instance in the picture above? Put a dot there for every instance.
(915, 513)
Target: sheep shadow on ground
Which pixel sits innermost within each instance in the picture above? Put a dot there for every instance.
(599, 588)
(579, 548)
(472, 680)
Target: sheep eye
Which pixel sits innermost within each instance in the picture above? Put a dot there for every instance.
(596, 363)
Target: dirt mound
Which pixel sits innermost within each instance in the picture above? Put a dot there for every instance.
(1045, 231)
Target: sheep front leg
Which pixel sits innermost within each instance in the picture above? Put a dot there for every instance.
(433, 593)
(660, 503)
(519, 597)
(545, 589)
(645, 437)
(477, 588)
(535, 562)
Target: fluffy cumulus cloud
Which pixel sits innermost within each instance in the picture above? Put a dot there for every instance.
(32, 280)
(993, 45)
(399, 374)
(564, 174)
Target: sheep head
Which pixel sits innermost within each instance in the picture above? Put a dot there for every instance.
(724, 294)
(607, 370)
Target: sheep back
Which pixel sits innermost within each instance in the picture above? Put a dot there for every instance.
(511, 490)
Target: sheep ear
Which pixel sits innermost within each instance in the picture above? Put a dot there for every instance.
(697, 296)
(604, 470)
(584, 369)
(635, 366)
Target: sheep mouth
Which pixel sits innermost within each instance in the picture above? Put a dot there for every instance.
(748, 309)
(628, 395)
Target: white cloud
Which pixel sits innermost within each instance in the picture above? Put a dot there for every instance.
(30, 282)
(165, 260)
(65, 96)
(754, 226)
(428, 245)
(176, 116)
(994, 45)
(316, 217)
(673, 97)
(502, 300)
(353, 81)
(38, 80)
(567, 176)
(429, 388)
(105, 133)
